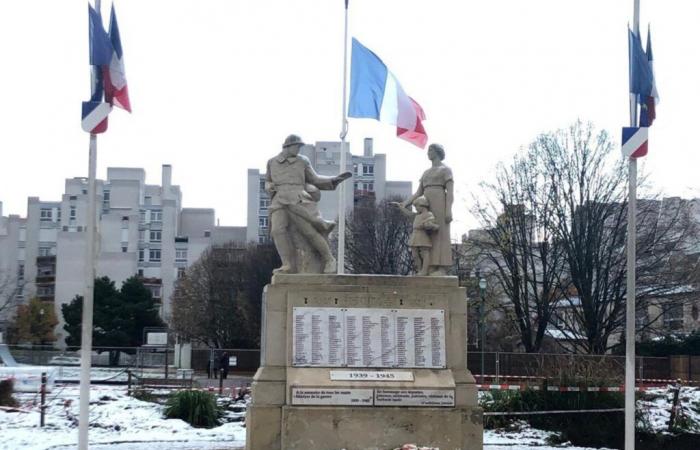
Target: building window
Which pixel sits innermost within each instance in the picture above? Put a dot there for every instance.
(154, 255)
(20, 273)
(354, 169)
(181, 271)
(105, 199)
(72, 213)
(142, 235)
(262, 185)
(367, 169)
(155, 291)
(181, 255)
(46, 214)
(45, 291)
(142, 216)
(264, 203)
(140, 271)
(262, 221)
(369, 187)
(156, 215)
(155, 236)
(207, 233)
(147, 200)
(123, 249)
(44, 251)
(141, 254)
(673, 317)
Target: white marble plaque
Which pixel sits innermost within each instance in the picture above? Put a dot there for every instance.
(320, 396)
(363, 375)
(414, 397)
(368, 337)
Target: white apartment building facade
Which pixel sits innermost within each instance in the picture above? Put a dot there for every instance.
(142, 230)
(368, 182)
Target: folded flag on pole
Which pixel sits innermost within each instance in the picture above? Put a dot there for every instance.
(95, 112)
(116, 91)
(635, 141)
(647, 113)
(641, 78)
(375, 93)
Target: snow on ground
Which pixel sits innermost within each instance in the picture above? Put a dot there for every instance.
(114, 418)
(120, 422)
(656, 403)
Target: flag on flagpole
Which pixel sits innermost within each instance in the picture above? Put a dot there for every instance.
(94, 112)
(116, 91)
(647, 112)
(376, 93)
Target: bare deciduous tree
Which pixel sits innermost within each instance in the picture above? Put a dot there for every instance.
(376, 239)
(519, 247)
(217, 302)
(559, 241)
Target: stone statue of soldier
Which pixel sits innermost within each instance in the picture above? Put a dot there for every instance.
(297, 228)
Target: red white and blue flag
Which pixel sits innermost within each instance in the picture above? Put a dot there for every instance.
(95, 112)
(635, 141)
(116, 91)
(109, 83)
(375, 93)
(647, 112)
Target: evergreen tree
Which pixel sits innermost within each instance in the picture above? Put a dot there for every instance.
(119, 316)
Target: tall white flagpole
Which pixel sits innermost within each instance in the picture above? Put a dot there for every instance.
(86, 331)
(343, 152)
(631, 273)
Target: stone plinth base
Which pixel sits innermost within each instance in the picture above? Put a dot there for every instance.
(380, 428)
(277, 419)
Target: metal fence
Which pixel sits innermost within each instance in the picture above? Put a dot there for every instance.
(496, 365)
(564, 367)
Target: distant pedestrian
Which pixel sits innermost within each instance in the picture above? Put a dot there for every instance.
(224, 364)
(215, 365)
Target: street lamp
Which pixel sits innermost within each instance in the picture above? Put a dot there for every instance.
(482, 292)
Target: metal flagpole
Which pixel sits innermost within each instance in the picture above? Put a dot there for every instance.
(631, 273)
(343, 151)
(86, 331)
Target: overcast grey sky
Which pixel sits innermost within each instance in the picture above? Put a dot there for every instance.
(216, 85)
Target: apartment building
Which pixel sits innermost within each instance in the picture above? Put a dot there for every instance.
(142, 230)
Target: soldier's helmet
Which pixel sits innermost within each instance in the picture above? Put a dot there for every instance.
(292, 139)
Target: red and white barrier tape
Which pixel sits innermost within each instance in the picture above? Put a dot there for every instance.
(522, 387)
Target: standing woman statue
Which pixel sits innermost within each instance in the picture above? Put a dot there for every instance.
(437, 186)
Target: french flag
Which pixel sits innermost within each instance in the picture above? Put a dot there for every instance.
(375, 93)
(95, 113)
(116, 91)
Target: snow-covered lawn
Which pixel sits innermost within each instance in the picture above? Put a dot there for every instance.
(120, 422)
(114, 418)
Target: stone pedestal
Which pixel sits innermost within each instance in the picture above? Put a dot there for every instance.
(316, 404)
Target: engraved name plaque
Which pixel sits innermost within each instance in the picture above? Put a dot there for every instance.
(368, 337)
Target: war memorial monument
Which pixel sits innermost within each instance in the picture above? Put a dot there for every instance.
(360, 361)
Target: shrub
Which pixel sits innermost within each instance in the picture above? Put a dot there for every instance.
(197, 408)
(6, 398)
(594, 429)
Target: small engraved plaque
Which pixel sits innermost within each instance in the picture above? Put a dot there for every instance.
(414, 397)
(363, 375)
(344, 397)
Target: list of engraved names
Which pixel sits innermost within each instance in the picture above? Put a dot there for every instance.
(368, 337)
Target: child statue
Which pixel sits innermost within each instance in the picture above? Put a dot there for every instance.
(424, 223)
